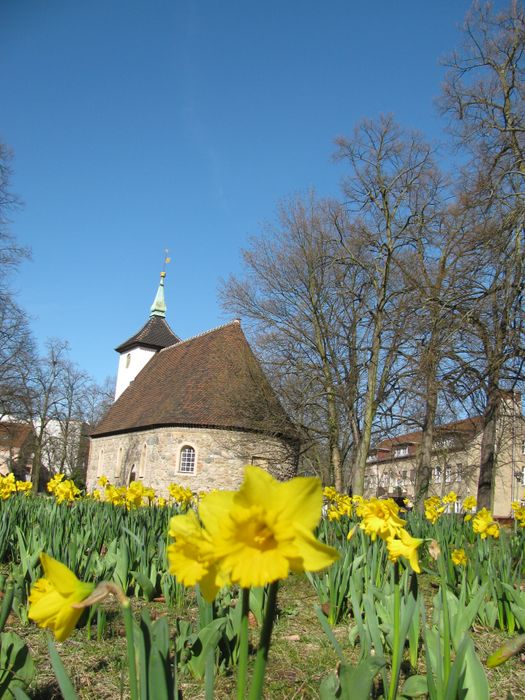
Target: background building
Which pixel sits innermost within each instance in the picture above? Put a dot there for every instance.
(391, 466)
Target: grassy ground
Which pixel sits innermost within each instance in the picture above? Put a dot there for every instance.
(300, 656)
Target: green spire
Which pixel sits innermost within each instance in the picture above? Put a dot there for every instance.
(158, 308)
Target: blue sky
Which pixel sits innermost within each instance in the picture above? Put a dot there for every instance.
(139, 126)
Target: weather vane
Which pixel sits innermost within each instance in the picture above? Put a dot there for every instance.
(167, 260)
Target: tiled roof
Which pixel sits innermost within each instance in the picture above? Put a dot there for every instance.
(464, 429)
(155, 333)
(14, 435)
(210, 380)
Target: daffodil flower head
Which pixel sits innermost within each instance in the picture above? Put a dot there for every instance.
(264, 531)
(7, 486)
(469, 503)
(191, 556)
(404, 545)
(380, 518)
(484, 525)
(52, 598)
(451, 497)
(459, 558)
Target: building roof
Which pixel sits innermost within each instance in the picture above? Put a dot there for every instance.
(14, 435)
(211, 380)
(155, 334)
(462, 430)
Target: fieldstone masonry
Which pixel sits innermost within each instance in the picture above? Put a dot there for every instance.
(153, 457)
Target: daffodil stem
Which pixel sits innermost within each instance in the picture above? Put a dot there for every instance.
(243, 645)
(264, 643)
(128, 624)
(398, 643)
(446, 618)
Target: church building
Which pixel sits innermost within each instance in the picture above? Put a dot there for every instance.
(192, 412)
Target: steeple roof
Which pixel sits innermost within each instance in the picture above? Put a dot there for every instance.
(155, 333)
(158, 308)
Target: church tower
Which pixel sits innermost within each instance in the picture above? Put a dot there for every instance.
(138, 350)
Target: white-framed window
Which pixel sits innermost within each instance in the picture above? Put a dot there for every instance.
(448, 474)
(436, 475)
(401, 451)
(459, 472)
(187, 460)
(128, 359)
(445, 443)
(523, 447)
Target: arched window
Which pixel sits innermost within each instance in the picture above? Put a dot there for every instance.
(128, 359)
(142, 463)
(118, 469)
(100, 465)
(187, 460)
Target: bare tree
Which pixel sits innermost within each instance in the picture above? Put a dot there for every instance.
(16, 343)
(392, 188)
(42, 399)
(292, 295)
(484, 95)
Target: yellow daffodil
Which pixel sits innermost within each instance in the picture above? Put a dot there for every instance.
(65, 491)
(7, 486)
(52, 597)
(339, 504)
(24, 487)
(254, 536)
(330, 493)
(103, 481)
(351, 533)
(519, 515)
(134, 495)
(433, 509)
(484, 525)
(333, 513)
(264, 531)
(451, 497)
(181, 495)
(459, 558)
(380, 518)
(469, 503)
(54, 481)
(191, 556)
(404, 545)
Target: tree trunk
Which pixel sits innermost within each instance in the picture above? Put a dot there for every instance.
(358, 481)
(424, 458)
(487, 467)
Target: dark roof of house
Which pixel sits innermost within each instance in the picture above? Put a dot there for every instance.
(155, 333)
(14, 435)
(211, 380)
(463, 430)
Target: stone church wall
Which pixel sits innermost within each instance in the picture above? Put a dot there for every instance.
(154, 457)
